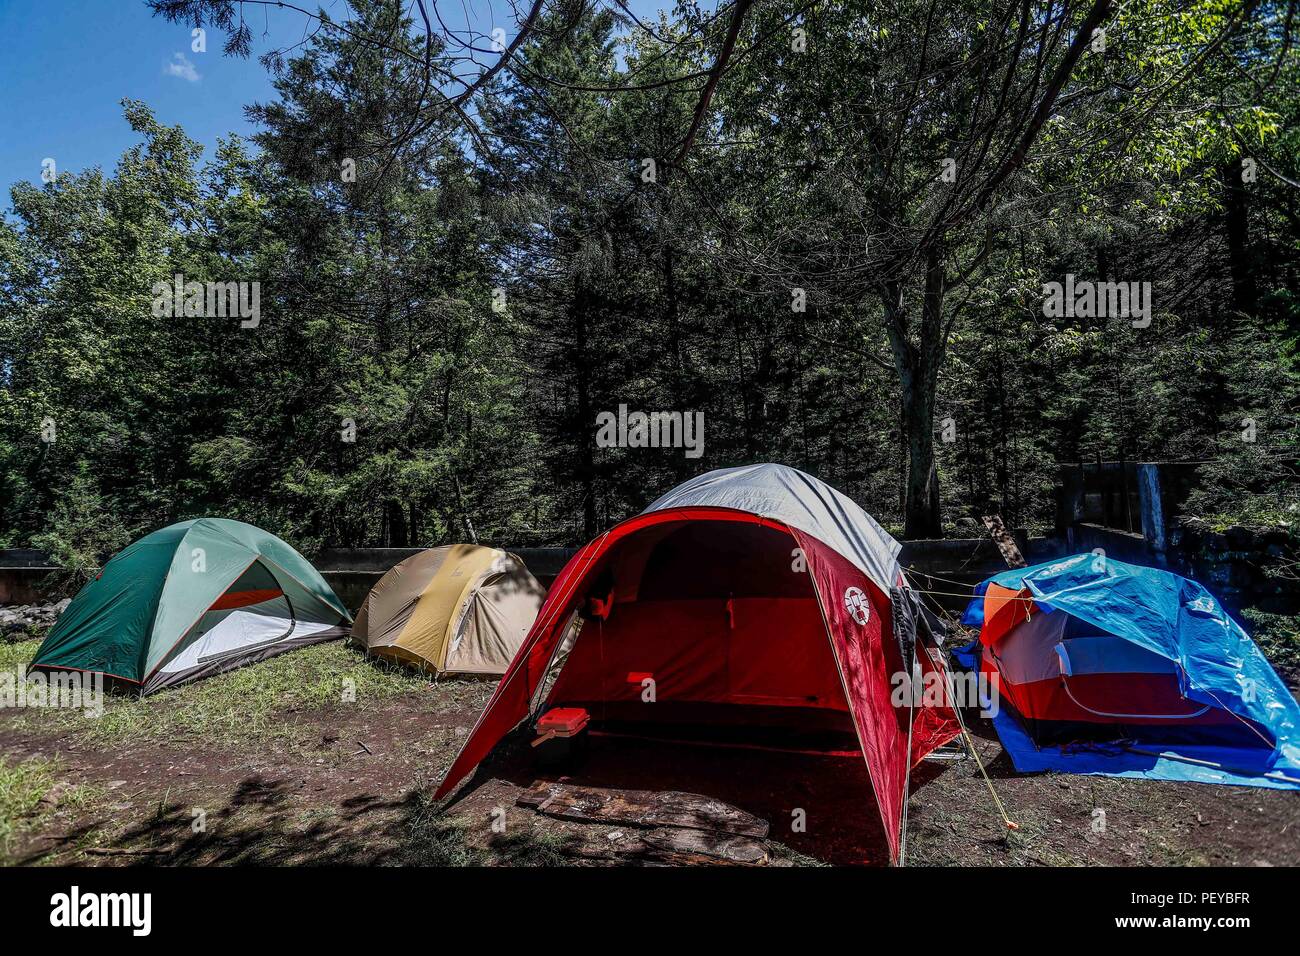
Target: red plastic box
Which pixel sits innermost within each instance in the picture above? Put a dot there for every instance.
(563, 721)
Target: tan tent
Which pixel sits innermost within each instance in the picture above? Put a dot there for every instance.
(459, 609)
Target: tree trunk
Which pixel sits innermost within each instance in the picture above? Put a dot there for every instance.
(396, 516)
(585, 432)
(680, 464)
(1237, 230)
(917, 364)
(921, 517)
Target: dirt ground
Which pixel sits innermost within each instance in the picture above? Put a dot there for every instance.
(351, 783)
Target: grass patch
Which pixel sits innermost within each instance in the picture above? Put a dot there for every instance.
(534, 848)
(22, 787)
(445, 842)
(16, 655)
(251, 703)
(29, 792)
(438, 840)
(254, 703)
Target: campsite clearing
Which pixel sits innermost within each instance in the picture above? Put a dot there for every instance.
(268, 765)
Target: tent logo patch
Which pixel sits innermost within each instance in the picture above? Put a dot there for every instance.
(856, 603)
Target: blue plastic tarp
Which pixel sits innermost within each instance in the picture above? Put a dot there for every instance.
(1178, 619)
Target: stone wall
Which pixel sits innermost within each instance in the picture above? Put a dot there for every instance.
(1242, 567)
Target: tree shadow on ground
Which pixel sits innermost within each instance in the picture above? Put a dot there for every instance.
(263, 823)
(821, 806)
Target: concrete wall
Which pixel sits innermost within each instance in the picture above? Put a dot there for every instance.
(1241, 567)
(353, 572)
(25, 585)
(950, 567)
(1098, 499)
(1120, 545)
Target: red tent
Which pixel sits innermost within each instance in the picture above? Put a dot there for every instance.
(756, 595)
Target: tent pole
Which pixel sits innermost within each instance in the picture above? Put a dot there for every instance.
(907, 764)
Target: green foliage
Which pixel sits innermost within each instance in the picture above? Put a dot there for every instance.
(83, 531)
(1278, 636)
(439, 332)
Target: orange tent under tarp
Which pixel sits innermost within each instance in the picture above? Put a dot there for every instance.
(458, 609)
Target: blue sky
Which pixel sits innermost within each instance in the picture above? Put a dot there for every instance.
(65, 66)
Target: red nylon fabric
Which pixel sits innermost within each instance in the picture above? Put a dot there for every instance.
(751, 650)
(864, 669)
(767, 651)
(509, 703)
(1003, 610)
(1106, 698)
(869, 659)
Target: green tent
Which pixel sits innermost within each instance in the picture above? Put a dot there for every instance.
(192, 600)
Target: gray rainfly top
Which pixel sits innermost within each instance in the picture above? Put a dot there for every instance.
(801, 501)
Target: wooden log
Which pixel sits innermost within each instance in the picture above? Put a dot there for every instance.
(678, 845)
(640, 808)
(1002, 538)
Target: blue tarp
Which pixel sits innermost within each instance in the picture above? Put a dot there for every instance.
(1181, 621)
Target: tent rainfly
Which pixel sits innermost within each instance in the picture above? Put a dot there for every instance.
(458, 609)
(191, 600)
(1109, 668)
(754, 595)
